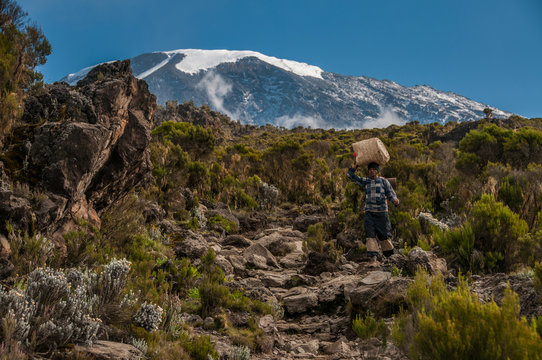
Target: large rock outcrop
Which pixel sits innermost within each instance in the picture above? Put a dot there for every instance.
(81, 148)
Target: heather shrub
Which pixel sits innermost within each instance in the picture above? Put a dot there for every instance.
(457, 325)
(317, 240)
(367, 327)
(199, 347)
(488, 241)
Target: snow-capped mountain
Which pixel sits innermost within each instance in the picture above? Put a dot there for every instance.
(259, 89)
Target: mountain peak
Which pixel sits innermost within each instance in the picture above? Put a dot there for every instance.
(196, 60)
(259, 89)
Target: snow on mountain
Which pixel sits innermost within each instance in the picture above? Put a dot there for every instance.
(259, 89)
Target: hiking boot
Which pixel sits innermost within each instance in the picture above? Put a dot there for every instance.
(373, 262)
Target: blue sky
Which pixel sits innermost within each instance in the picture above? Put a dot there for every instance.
(487, 50)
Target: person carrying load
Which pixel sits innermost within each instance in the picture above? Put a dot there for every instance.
(378, 191)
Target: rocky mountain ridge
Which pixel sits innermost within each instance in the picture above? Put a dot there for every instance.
(258, 89)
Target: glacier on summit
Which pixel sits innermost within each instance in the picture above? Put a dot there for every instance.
(259, 89)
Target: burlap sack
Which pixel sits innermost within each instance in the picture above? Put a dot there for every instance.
(371, 150)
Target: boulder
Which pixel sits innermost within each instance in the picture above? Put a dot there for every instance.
(252, 222)
(238, 241)
(224, 264)
(258, 261)
(193, 246)
(376, 277)
(272, 279)
(299, 300)
(281, 241)
(332, 291)
(426, 260)
(85, 147)
(302, 222)
(383, 299)
(267, 324)
(260, 250)
(108, 350)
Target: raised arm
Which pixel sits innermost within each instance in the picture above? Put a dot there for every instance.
(352, 176)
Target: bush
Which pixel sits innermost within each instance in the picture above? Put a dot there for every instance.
(489, 240)
(50, 312)
(457, 325)
(367, 327)
(239, 353)
(318, 241)
(200, 347)
(148, 316)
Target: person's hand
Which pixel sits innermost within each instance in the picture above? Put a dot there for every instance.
(355, 166)
(396, 202)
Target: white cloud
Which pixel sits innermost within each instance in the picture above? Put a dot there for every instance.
(387, 117)
(315, 122)
(217, 89)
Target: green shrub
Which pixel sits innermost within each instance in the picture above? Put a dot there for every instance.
(488, 241)
(457, 325)
(199, 347)
(367, 327)
(222, 223)
(316, 238)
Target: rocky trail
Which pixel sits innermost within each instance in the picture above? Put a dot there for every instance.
(267, 261)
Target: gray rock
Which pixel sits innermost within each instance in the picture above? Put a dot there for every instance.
(271, 279)
(299, 300)
(281, 241)
(418, 257)
(309, 347)
(224, 264)
(193, 246)
(376, 277)
(260, 250)
(238, 262)
(339, 347)
(303, 222)
(333, 289)
(258, 261)
(238, 241)
(108, 350)
(383, 299)
(267, 324)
